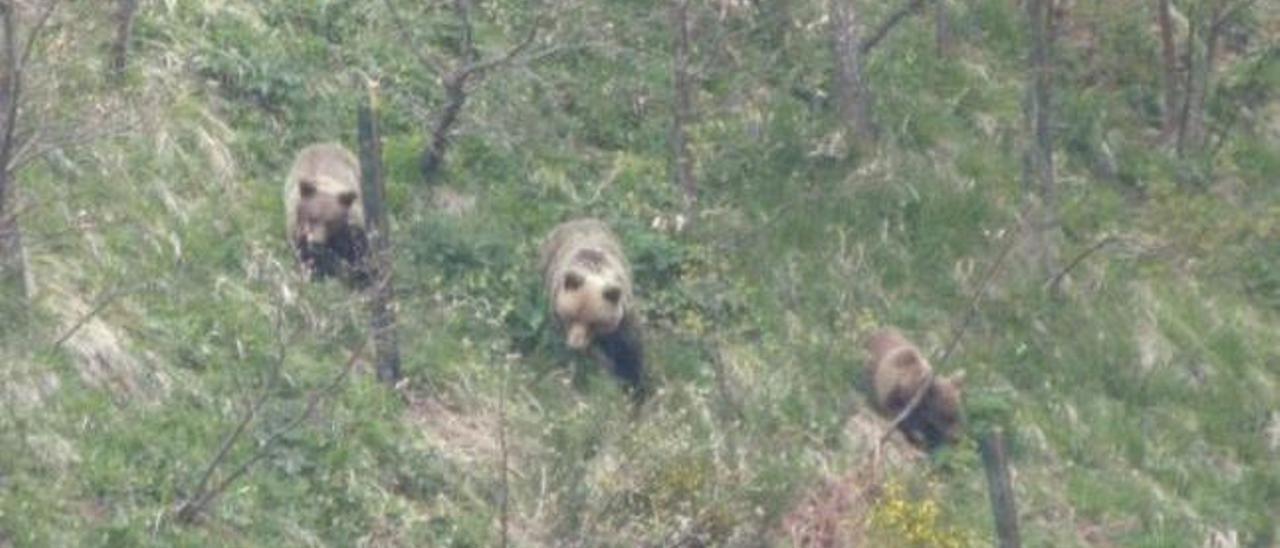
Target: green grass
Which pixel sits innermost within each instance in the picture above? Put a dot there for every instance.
(1136, 405)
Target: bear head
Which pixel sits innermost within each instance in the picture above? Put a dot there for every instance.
(589, 299)
(322, 215)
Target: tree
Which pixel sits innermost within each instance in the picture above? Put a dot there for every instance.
(126, 11)
(1169, 58)
(853, 96)
(465, 71)
(1200, 66)
(942, 27)
(15, 53)
(681, 105)
(1038, 176)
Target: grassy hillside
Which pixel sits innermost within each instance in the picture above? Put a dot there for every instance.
(1142, 405)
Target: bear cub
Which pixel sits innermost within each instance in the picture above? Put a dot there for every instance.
(896, 369)
(588, 282)
(324, 214)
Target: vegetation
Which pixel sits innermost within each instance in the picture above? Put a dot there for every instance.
(1125, 344)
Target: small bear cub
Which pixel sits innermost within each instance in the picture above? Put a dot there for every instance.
(897, 370)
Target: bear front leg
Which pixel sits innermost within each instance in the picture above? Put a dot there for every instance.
(623, 352)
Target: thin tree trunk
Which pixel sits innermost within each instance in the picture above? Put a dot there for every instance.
(1039, 161)
(1169, 55)
(125, 14)
(381, 294)
(455, 93)
(777, 14)
(13, 276)
(455, 98)
(682, 106)
(1199, 80)
(942, 27)
(853, 97)
(1188, 95)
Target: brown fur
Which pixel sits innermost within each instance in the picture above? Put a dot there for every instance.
(588, 282)
(325, 213)
(897, 370)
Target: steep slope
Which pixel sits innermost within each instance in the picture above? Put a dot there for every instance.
(1142, 406)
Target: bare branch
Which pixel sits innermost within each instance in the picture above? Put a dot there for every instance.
(192, 506)
(201, 497)
(104, 300)
(478, 68)
(428, 60)
(312, 403)
(912, 7)
(462, 9)
(1225, 14)
(1052, 283)
(34, 147)
(34, 33)
(455, 89)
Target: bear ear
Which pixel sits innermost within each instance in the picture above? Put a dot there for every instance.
(307, 188)
(347, 198)
(572, 281)
(956, 379)
(613, 295)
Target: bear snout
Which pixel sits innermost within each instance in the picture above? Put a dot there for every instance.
(578, 336)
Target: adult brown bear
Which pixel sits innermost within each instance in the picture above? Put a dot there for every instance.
(588, 282)
(324, 213)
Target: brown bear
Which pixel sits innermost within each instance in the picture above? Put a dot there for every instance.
(324, 213)
(588, 282)
(896, 370)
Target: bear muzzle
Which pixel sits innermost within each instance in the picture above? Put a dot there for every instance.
(579, 336)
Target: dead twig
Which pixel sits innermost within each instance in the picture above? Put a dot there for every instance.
(104, 300)
(1053, 282)
(191, 508)
(479, 67)
(428, 60)
(911, 8)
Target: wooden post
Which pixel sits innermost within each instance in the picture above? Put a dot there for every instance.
(382, 313)
(1001, 489)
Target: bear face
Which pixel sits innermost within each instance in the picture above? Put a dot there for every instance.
(589, 301)
(322, 216)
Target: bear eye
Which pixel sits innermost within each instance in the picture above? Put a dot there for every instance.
(572, 281)
(613, 295)
(307, 189)
(347, 198)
